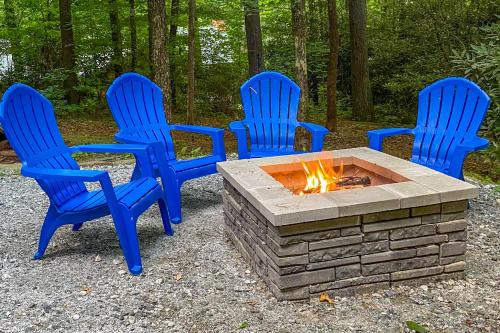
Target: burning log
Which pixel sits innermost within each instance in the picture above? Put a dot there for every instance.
(353, 180)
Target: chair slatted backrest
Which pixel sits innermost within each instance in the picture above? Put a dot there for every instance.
(137, 107)
(450, 112)
(30, 125)
(271, 102)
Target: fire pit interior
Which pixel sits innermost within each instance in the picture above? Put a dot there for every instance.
(329, 174)
(366, 221)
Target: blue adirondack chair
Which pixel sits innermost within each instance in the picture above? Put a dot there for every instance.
(450, 112)
(28, 120)
(136, 105)
(270, 102)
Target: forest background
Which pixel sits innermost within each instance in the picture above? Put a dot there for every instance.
(360, 63)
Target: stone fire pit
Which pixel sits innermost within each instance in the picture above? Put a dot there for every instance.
(407, 225)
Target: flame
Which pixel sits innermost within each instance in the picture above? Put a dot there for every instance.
(320, 178)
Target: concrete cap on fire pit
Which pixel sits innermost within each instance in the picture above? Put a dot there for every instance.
(402, 184)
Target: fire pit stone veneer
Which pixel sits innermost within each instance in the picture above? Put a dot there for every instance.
(412, 229)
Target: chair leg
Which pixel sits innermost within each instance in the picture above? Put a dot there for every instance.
(77, 226)
(127, 234)
(173, 200)
(49, 227)
(165, 217)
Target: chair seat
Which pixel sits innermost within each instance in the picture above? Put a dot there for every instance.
(127, 194)
(184, 165)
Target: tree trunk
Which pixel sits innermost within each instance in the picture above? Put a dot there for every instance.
(159, 55)
(11, 24)
(254, 37)
(116, 37)
(174, 16)
(362, 104)
(68, 51)
(331, 85)
(191, 59)
(133, 36)
(299, 27)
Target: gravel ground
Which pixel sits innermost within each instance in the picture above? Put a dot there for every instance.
(195, 281)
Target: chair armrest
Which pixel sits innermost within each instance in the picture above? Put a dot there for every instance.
(461, 152)
(139, 150)
(132, 139)
(376, 137)
(217, 135)
(197, 129)
(318, 134)
(240, 131)
(64, 174)
(473, 144)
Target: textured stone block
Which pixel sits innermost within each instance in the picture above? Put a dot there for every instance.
(453, 216)
(385, 216)
(302, 279)
(427, 250)
(434, 218)
(428, 279)
(308, 227)
(287, 250)
(375, 236)
(452, 249)
(350, 231)
(334, 253)
(451, 260)
(454, 206)
(451, 226)
(291, 294)
(287, 269)
(455, 267)
(419, 241)
(426, 210)
(458, 236)
(388, 225)
(288, 261)
(399, 265)
(348, 271)
(310, 237)
(374, 247)
(416, 273)
(356, 290)
(388, 256)
(335, 242)
(332, 263)
(349, 283)
(412, 232)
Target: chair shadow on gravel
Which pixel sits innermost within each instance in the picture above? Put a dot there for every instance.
(100, 239)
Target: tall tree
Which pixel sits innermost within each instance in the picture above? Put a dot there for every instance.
(174, 16)
(331, 85)
(11, 24)
(133, 36)
(362, 104)
(158, 48)
(254, 37)
(299, 27)
(191, 59)
(68, 51)
(116, 37)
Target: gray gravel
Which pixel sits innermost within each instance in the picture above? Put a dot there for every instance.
(195, 281)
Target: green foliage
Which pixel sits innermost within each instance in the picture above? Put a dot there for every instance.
(481, 63)
(244, 325)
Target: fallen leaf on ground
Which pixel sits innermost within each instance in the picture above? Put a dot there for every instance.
(178, 276)
(324, 297)
(416, 327)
